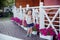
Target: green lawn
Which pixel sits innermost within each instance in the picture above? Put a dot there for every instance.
(4, 18)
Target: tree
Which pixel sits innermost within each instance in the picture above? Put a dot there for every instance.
(4, 3)
(1, 3)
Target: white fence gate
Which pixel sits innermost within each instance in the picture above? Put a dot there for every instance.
(54, 15)
(50, 17)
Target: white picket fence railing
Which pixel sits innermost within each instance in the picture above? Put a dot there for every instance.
(20, 12)
(44, 14)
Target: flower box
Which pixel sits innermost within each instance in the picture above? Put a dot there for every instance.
(47, 33)
(59, 36)
(36, 28)
(48, 37)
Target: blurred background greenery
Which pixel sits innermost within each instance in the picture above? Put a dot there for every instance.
(5, 3)
(5, 8)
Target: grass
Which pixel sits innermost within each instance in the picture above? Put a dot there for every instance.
(4, 18)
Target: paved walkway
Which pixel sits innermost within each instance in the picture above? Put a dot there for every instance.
(11, 29)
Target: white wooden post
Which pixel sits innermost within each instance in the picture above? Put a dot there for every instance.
(33, 15)
(24, 13)
(20, 14)
(36, 12)
(14, 11)
(27, 6)
(41, 16)
(59, 20)
(17, 12)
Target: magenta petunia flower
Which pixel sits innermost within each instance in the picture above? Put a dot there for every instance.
(59, 36)
(49, 31)
(43, 31)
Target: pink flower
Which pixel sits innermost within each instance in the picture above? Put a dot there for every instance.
(37, 27)
(43, 31)
(59, 36)
(24, 23)
(12, 18)
(50, 30)
(17, 20)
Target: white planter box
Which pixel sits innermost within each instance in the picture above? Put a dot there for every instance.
(34, 32)
(46, 37)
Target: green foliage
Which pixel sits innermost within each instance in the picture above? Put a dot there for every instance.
(9, 14)
(6, 14)
(4, 3)
(34, 29)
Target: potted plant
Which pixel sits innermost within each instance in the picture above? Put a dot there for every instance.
(36, 29)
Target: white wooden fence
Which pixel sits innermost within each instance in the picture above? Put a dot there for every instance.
(20, 12)
(44, 16)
